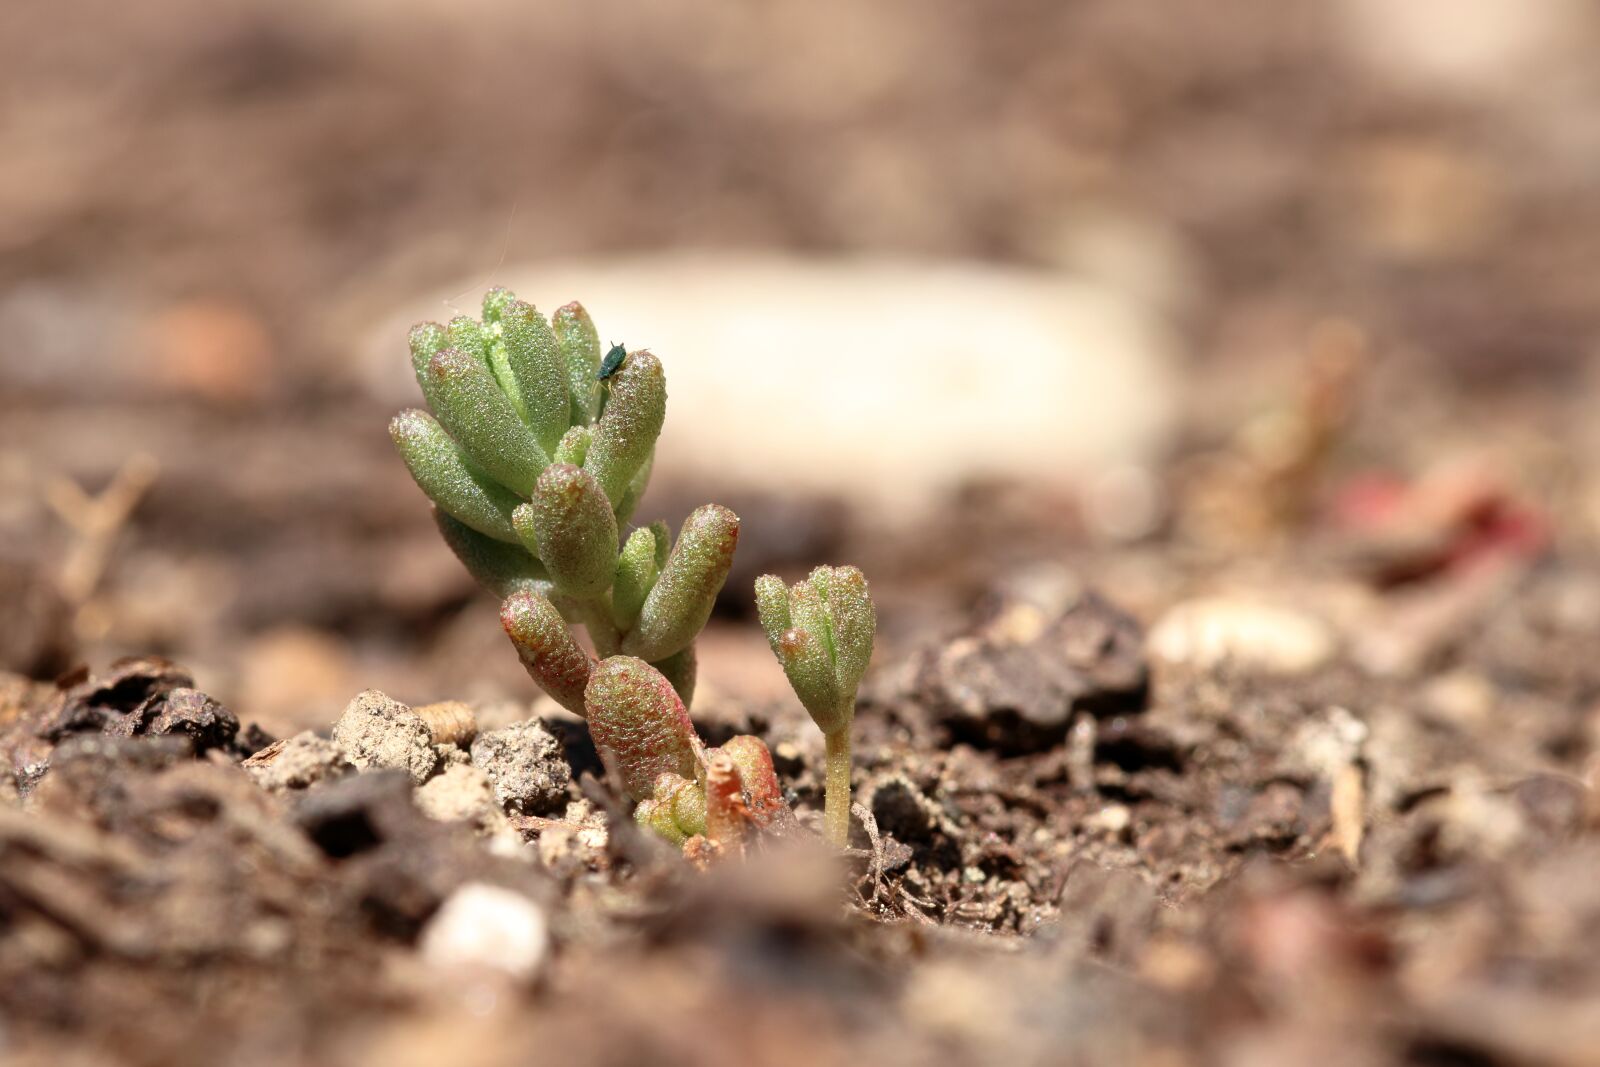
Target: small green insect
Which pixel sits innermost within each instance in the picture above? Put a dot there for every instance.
(612, 362)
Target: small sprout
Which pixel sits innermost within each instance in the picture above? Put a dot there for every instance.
(639, 725)
(536, 453)
(821, 630)
(547, 648)
(656, 816)
(677, 810)
(680, 602)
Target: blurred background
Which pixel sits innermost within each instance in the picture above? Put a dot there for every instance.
(938, 286)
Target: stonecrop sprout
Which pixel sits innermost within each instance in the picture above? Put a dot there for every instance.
(535, 456)
(821, 630)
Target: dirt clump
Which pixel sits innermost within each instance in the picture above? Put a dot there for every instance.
(526, 765)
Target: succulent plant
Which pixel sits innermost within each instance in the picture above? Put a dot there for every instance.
(535, 455)
(535, 464)
(821, 630)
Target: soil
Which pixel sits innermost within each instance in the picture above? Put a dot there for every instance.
(1304, 766)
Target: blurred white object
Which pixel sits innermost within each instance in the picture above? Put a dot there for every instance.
(1469, 45)
(875, 379)
(483, 927)
(1244, 633)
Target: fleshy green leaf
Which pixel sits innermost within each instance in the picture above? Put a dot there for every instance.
(810, 670)
(680, 603)
(772, 607)
(427, 339)
(574, 446)
(626, 433)
(573, 530)
(547, 648)
(688, 802)
(500, 568)
(663, 535)
(450, 479)
(635, 491)
(580, 351)
(639, 725)
(469, 404)
(469, 336)
(657, 817)
(806, 652)
(636, 573)
(676, 811)
(494, 303)
(854, 625)
(540, 373)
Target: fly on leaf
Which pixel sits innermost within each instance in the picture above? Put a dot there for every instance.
(613, 360)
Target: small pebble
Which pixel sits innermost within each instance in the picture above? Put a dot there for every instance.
(461, 793)
(296, 762)
(526, 766)
(378, 731)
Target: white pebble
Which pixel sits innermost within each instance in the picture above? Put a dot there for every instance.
(485, 927)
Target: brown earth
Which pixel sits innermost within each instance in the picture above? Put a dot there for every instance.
(1302, 769)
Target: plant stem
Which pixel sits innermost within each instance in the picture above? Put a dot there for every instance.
(836, 810)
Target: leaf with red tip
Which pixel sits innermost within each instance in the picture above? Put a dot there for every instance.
(639, 725)
(547, 648)
(727, 818)
(758, 778)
